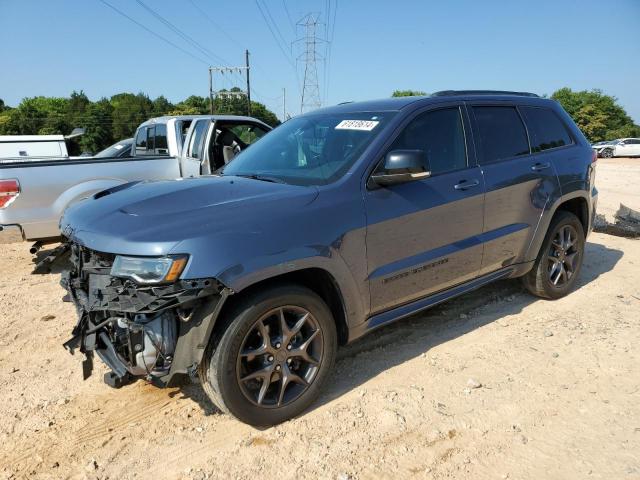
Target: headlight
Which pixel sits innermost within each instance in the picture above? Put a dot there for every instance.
(149, 270)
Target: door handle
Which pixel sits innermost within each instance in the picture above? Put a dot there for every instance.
(540, 166)
(465, 184)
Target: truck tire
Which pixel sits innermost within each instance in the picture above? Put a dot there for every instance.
(273, 357)
(559, 261)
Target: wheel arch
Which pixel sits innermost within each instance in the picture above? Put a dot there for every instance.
(575, 202)
(316, 279)
(579, 207)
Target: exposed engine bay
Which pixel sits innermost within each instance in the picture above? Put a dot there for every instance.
(137, 329)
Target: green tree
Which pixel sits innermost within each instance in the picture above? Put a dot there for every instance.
(161, 106)
(10, 122)
(44, 116)
(77, 106)
(407, 93)
(237, 105)
(592, 122)
(109, 120)
(98, 124)
(599, 116)
(193, 105)
(261, 112)
(129, 111)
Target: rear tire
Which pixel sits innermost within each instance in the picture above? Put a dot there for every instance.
(264, 373)
(559, 261)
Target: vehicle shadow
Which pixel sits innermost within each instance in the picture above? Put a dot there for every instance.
(54, 265)
(420, 333)
(415, 335)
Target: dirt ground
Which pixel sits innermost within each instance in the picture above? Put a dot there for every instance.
(493, 385)
(617, 182)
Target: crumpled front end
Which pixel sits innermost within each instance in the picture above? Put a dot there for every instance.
(152, 331)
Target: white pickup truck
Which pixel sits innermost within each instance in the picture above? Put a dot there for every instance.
(35, 191)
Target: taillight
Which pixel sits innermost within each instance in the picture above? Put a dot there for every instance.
(9, 190)
(594, 156)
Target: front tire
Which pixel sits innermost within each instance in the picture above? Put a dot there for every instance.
(607, 153)
(559, 261)
(273, 358)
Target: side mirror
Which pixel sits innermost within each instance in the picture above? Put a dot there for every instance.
(401, 166)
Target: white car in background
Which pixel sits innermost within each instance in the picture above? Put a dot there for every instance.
(623, 147)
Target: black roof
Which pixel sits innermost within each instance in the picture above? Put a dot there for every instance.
(449, 93)
(397, 103)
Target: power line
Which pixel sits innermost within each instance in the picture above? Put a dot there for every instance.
(234, 40)
(266, 7)
(287, 57)
(286, 9)
(330, 36)
(217, 25)
(327, 27)
(244, 47)
(179, 32)
(274, 36)
(157, 35)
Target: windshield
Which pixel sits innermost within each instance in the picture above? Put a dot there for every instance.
(310, 150)
(115, 150)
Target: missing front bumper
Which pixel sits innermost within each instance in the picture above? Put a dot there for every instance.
(118, 320)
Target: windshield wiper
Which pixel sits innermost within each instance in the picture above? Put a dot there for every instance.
(262, 178)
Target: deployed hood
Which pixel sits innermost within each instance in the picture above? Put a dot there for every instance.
(151, 218)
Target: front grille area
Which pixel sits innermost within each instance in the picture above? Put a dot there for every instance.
(93, 289)
(137, 330)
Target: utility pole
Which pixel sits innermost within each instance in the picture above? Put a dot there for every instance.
(246, 55)
(223, 70)
(310, 56)
(210, 91)
(284, 104)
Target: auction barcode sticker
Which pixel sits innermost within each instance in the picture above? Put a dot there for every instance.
(366, 125)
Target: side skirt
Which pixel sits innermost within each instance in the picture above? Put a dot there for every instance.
(409, 309)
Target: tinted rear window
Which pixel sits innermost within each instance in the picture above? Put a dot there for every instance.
(502, 133)
(161, 147)
(142, 146)
(546, 130)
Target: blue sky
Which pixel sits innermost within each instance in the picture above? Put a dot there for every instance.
(53, 47)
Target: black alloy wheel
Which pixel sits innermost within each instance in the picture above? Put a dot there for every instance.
(563, 256)
(556, 268)
(279, 356)
(272, 353)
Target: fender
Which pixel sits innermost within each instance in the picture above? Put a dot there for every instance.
(545, 220)
(354, 300)
(325, 231)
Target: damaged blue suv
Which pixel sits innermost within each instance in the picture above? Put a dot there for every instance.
(334, 224)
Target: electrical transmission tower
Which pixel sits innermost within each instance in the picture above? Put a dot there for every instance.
(310, 56)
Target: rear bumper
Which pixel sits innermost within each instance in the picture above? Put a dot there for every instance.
(11, 234)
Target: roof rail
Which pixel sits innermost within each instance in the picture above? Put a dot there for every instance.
(448, 93)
